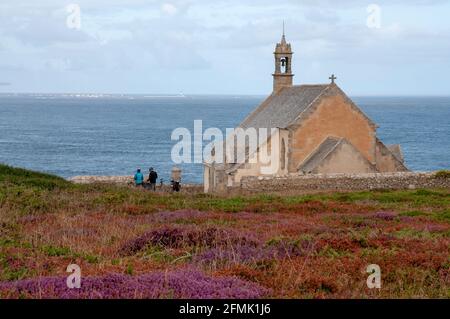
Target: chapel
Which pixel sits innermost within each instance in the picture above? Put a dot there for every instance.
(316, 128)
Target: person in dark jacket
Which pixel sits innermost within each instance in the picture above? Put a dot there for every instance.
(152, 178)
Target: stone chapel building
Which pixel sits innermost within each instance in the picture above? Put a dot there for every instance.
(318, 128)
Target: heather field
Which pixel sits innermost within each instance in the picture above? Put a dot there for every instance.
(131, 243)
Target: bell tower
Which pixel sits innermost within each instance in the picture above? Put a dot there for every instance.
(283, 76)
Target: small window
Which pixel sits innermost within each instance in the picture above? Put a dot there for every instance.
(283, 154)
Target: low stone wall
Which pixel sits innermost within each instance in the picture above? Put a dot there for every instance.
(124, 180)
(129, 181)
(302, 183)
(345, 182)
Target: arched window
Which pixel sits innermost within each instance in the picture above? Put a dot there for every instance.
(283, 66)
(283, 154)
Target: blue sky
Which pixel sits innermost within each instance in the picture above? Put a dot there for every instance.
(223, 46)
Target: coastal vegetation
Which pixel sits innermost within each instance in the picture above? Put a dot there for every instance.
(132, 243)
(443, 174)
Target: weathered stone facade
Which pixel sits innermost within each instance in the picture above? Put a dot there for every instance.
(332, 115)
(344, 182)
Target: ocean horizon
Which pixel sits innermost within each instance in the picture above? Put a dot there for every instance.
(72, 134)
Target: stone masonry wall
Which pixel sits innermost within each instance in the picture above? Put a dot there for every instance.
(345, 182)
(123, 180)
(129, 181)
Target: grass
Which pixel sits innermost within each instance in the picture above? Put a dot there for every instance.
(443, 215)
(21, 177)
(56, 251)
(46, 223)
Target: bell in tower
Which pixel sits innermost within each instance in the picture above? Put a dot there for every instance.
(282, 76)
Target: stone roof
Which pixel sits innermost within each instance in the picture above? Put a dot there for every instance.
(282, 109)
(320, 154)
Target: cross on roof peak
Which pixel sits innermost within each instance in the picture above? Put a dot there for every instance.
(332, 78)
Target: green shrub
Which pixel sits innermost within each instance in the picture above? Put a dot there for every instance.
(413, 213)
(443, 215)
(442, 174)
(53, 251)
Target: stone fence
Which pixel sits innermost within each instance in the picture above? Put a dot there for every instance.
(129, 181)
(304, 183)
(345, 182)
(123, 180)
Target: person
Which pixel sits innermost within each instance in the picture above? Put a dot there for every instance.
(176, 179)
(176, 187)
(138, 178)
(152, 178)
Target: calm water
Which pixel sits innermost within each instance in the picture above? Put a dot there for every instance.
(113, 135)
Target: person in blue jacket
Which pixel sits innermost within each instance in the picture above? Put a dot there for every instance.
(139, 178)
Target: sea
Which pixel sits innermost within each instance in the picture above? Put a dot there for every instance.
(97, 134)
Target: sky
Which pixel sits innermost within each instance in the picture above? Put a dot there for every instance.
(376, 47)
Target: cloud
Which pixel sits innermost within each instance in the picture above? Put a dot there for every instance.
(39, 27)
(169, 9)
(213, 44)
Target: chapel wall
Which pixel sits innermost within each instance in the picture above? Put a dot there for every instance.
(334, 116)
